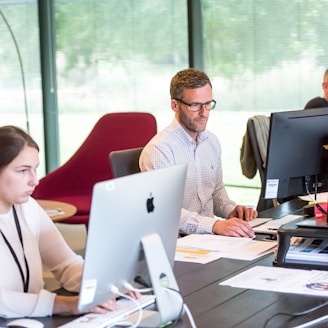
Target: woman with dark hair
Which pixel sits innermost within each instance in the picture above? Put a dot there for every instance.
(29, 240)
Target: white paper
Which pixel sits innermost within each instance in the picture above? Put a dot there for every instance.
(195, 256)
(252, 250)
(208, 242)
(272, 226)
(271, 190)
(206, 248)
(54, 211)
(308, 250)
(258, 221)
(284, 280)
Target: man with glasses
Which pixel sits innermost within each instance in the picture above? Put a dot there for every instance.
(318, 102)
(206, 205)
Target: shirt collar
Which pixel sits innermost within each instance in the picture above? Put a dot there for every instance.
(202, 136)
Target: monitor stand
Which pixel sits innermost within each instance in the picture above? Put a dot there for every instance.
(312, 257)
(169, 304)
(313, 223)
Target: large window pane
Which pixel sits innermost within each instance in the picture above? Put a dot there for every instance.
(20, 66)
(264, 56)
(116, 56)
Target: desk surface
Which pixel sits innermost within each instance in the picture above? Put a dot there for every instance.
(213, 305)
(57, 210)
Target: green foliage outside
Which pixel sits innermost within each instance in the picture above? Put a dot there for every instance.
(261, 55)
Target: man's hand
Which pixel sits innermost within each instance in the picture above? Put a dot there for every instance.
(243, 213)
(233, 227)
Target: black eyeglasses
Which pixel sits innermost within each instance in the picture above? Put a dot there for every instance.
(196, 107)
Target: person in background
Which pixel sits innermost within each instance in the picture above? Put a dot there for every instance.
(206, 205)
(318, 102)
(29, 240)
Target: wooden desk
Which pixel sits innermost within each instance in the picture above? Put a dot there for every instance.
(213, 305)
(57, 210)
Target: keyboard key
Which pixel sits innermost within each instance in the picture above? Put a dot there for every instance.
(125, 308)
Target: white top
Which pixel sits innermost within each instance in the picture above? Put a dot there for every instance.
(205, 194)
(45, 249)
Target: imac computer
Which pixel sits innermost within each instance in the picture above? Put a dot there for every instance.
(297, 154)
(132, 235)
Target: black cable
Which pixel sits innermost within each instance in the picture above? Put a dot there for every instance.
(21, 68)
(316, 204)
(141, 281)
(295, 314)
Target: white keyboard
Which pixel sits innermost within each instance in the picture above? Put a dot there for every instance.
(125, 308)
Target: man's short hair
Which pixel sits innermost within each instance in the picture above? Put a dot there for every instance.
(190, 78)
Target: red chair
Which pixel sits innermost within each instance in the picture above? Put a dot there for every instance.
(73, 181)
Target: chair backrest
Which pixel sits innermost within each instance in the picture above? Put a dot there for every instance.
(259, 159)
(258, 133)
(89, 164)
(125, 162)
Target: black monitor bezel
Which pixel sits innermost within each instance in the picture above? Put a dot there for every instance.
(294, 152)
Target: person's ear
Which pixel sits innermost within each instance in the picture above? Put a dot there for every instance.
(174, 105)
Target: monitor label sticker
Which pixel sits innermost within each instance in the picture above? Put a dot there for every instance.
(88, 291)
(271, 189)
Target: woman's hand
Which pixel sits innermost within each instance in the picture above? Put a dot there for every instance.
(68, 305)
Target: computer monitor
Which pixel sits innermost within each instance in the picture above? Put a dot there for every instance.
(132, 233)
(297, 153)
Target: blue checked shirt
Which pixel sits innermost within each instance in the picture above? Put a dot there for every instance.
(205, 195)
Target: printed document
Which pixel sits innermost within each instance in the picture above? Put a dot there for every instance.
(199, 248)
(308, 251)
(272, 226)
(283, 280)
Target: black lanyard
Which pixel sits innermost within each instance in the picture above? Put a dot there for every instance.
(27, 279)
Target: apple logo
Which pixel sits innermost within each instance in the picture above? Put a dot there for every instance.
(150, 204)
